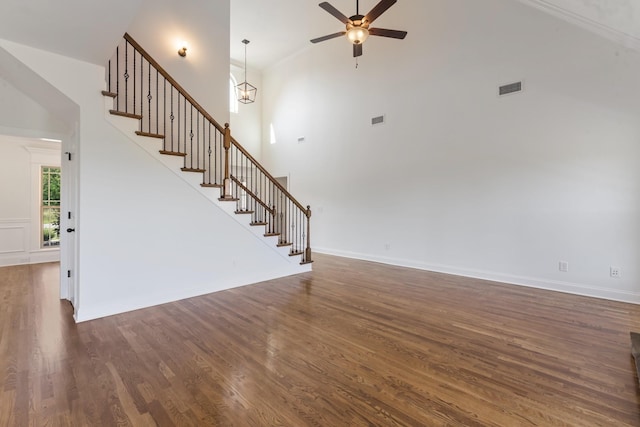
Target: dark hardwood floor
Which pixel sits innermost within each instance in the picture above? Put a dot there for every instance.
(353, 343)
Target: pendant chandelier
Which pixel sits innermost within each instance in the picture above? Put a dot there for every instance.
(246, 92)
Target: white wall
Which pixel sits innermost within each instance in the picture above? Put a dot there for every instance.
(21, 160)
(161, 25)
(459, 180)
(246, 123)
(144, 236)
(22, 116)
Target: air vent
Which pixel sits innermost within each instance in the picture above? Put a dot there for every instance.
(510, 88)
(377, 120)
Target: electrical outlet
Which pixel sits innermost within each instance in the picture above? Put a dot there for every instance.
(615, 272)
(563, 266)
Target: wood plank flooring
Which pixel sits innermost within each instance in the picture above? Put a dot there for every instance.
(351, 344)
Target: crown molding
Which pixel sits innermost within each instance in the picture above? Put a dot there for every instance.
(615, 34)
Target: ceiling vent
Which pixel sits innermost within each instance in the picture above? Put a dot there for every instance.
(510, 88)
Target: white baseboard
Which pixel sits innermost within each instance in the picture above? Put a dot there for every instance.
(35, 257)
(532, 282)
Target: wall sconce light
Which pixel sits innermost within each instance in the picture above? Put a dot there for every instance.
(183, 50)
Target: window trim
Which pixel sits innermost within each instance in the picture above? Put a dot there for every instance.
(41, 199)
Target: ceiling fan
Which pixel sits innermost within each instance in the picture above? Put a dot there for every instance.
(358, 28)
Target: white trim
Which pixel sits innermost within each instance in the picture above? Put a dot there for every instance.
(23, 237)
(532, 282)
(44, 255)
(582, 21)
(14, 220)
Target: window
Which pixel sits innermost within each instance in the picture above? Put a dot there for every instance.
(233, 97)
(272, 134)
(50, 207)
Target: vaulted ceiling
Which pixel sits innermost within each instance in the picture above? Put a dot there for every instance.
(88, 30)
(279, 28)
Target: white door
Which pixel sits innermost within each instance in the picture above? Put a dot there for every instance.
(68, 220)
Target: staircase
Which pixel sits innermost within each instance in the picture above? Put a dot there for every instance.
(140, 91)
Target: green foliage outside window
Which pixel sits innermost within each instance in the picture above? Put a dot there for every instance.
(50, 206)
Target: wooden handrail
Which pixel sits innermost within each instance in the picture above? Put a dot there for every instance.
(171, 80)
(201, 163)
(202, 111)
(271, 178)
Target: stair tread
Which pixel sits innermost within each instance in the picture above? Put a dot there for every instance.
(193, 170)
(284, 244)
(149, 134)
(123, 114)
(210, 185)
(255, 224)
(271, 234)
(306, 262)
(173, 153)
(109, 94)
(245, 212)
(296, 253)
(228, 199)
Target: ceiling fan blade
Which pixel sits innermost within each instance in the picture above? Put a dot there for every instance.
(328, 37)
(335, 12)
(394, 34)
(378, 10)
(357, 50)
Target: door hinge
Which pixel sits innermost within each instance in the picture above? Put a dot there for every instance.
(68, 215)
(68, 155)
(68, 273)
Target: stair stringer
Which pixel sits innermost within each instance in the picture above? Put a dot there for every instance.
(152, 146)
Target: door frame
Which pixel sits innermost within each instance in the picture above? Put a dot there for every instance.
(69, 288)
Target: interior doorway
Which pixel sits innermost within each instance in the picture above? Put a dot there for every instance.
(284, 181)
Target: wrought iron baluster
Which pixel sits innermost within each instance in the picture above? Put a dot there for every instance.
(164, 114)
(149, 97)
(209, 153)
(190, 134)
(126, 77)
(118, 78)
(109, 77)
(141, 89)
(134, 82)
(157, 102)
(171, 117)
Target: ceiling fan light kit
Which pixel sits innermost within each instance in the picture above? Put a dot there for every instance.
(357, 35)
(358, 26)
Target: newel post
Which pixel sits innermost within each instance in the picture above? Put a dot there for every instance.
(226, 189)
(307, 252)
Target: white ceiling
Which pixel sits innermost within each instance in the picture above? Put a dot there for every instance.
(88, 30)
(81, 29)
(279, 28)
